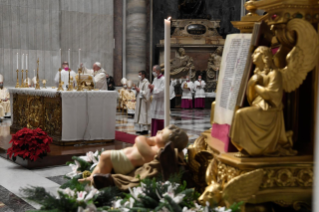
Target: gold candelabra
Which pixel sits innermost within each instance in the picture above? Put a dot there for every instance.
(17, 84)
(26, 85)
(22, 82)
(79, 87)
(60, 88)
(37, 87)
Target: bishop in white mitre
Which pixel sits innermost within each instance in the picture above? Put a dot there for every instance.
(99, 75)
(5, 100)
(65, 76)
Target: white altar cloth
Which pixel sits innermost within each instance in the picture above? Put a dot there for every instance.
(86, 115)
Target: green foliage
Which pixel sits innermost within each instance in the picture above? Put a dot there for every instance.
(84, 165)
(73, 184)
(106, 196)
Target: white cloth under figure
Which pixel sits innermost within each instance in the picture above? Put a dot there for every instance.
(187, 90)
(99, 77)
(172, 88)
(199, 89)
(142, 119)
(65, 78)
(157, 106)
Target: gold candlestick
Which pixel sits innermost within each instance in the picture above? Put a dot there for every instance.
(17, 84)
(37, 87)
(22, 82)
(26, 79)
(69, 83)
(79, 87)
(60, 88)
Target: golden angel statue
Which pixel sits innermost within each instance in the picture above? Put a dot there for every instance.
(259, 130)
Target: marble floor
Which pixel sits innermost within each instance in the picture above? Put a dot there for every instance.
(14, 176)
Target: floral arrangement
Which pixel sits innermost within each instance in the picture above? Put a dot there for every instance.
(29, 144)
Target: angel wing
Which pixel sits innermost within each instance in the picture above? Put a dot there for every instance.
(242, 187)
(303, 57)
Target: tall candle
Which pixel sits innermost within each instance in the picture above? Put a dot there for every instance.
(167, 56)
(17, 61)
(69, 58)
(22, 62)
(79, 57)
(26, 62)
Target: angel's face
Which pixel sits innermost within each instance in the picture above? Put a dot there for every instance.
(257, 57)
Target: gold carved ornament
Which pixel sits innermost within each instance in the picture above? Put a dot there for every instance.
(266, 135)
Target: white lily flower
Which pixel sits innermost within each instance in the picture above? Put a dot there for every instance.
(117, 204)
(129, 203)
(95, 162)
(170, 192)
(74, 168)
(222, 209)
(185, 209)
(67, 191)
(81, 195)
(91, 194)
(136, 191)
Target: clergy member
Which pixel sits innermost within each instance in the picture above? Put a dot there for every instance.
(157, 105)
(200, 93)
(65, 75)
(5, 100)
(142, 119)
(121, 94)
(187, 97)
(99, 75)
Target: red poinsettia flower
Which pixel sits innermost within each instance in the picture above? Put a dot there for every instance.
(29, 144)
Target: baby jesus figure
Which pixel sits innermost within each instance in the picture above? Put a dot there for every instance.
(143, 151)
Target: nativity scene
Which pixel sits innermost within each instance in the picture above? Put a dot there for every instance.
(180, 106)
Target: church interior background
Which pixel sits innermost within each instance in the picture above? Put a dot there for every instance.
(126, 37)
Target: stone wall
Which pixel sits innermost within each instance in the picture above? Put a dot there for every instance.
(40, 28)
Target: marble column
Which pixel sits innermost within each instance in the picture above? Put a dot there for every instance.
(135, 38)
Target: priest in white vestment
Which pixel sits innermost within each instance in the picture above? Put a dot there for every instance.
(99, 75)
(200, 93)
(65, 76)
(142, 119)
(187, 96)
(157, 105)
(4, 99)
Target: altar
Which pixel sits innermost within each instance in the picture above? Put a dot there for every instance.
(69, 117)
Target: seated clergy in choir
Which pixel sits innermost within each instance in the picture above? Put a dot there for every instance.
(121, 94)
(187, 97)
(200, 93)
(130, 98)
(143, 151)
(5, 100)
(99, 75)
(64, 75)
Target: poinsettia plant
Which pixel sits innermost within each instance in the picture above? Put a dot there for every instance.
(29, 144)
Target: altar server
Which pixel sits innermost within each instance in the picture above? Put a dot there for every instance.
(187, 97)
(5, 100)
(99, 75)
(142, 120)
(65, 75)
(200, 93)
(157, 105)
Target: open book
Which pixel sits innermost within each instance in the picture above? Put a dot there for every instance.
(235, 70)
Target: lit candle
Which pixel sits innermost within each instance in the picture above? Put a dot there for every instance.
(26, 62)
(22, 62)
(69, 58)
(167, 56)
(17, 61)
(79, 57)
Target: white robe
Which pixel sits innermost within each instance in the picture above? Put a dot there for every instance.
(172, 89)
(5, 103)
(142, 119)
(199, 89)
(99, 78)
(187, 93)
(65, 78)
(157, 105)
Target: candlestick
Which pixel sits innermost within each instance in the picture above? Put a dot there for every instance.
(17, 84)
(22, 62)
(26, 78)
(37, 87)
(22, 82)
(79, 57)
(167, 56)
(69, 84)
(26, 62)
(79, 87)
(60, 88)
(18, 61)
